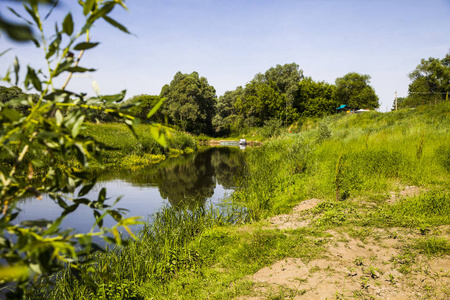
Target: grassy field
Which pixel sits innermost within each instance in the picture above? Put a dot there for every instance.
(371, 218)
(124, 150)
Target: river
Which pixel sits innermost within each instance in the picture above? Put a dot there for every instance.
(203, 178)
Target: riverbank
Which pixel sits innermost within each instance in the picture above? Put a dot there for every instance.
(358, 206)
(123, 149)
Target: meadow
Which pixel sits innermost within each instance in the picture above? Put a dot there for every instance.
(357, 168)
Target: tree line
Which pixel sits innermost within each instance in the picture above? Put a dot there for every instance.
(280, 95)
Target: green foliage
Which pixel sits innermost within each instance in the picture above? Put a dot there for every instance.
(315, 99)
(432, 208)
(430, 82)
(433, 245)
(190, 103)
(15, 98)
(226, 120)
(354, 90)
(272, 128)
(270, 95)
(323, 131)
(39, 146)
(142, 105)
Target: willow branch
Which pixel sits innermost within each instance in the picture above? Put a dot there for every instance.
(76, 63)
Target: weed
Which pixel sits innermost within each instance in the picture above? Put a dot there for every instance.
(373, 272)
(359, 261)
(391, 279)
(433, 245)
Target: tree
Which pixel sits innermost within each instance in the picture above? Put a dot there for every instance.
(46, 150)
(286, 78)
(270, 96)
(260, 102)
(354, 90)
(142, 105)
(430, 81)
(227, 119)
(315, 99)
(190, 103)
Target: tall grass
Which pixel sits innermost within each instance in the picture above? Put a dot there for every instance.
(347, 161)
(159, 252)
(375, 153)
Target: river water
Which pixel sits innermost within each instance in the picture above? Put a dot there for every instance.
(204, 178)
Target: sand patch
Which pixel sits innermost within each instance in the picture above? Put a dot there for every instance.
(358, 269)
(294, 219)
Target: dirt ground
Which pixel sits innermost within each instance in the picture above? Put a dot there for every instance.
(375, 268)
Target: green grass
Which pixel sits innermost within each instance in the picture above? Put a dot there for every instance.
(124, 150)
(351, 162)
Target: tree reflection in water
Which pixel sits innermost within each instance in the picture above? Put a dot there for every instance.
(188, 181)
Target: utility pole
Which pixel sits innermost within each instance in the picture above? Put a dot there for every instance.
(396, 100)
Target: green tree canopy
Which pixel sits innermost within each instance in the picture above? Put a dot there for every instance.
(260, 102)
(430, 80)
(315, 99)
(143, 105)
(355, 91)
(227, 118)
(190, 102)
(286, 78)
(270, 96)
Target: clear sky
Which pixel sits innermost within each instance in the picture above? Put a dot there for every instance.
(229, 41)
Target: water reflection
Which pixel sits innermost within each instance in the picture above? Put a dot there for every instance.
(189, 180)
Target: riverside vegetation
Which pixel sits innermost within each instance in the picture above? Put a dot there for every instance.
(349, 163)
(355, 166)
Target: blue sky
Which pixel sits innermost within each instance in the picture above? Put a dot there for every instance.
(229, 41)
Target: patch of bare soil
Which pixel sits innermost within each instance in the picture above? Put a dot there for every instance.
(408, 191)
(295, 218)
(355, 269)
(372, 268)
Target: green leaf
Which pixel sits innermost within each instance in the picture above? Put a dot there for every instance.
(86, 188)
(69, 210)
(79, 70)
(116, 24)
(19, 16)
(33, 79)
(103, 11)
(116, 215)
(68, 24)
(158, 136)
(102, 196)
(7, 50)
(114, 98)
(54, 227)
(61, 202)
(77, 126)
(33, 14)
(16, 69)
(84, 201)
(155, 108)
(54, 46)
(88, 5)
(11, 114)
(99, 219)
(85, 46)
(63, 67)
(17, 32)
(13, 272)
(58, 117)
